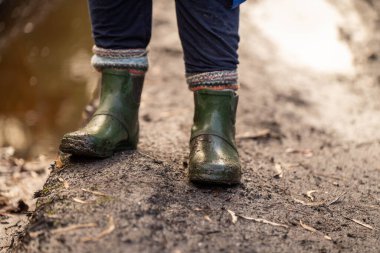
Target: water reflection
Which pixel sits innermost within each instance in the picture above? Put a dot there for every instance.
(46, 79)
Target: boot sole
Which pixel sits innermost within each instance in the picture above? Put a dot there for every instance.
(209, 179)
(83, 147)
(205, 181)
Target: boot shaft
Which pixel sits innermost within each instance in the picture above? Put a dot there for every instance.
(120, 96)
(215, 114)
(121, 88)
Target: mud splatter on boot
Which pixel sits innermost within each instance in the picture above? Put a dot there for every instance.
(214, 158)
(114, 126)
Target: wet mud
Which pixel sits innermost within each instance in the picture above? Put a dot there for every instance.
(309, 148)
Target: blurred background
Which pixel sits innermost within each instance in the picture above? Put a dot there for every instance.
(46, 82)
(45, 76)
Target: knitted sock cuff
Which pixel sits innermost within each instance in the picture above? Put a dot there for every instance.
(119, 58)
(216, 80)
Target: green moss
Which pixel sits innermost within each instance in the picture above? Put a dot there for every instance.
(47, 189)
(51, 211)
(44, 201)
(104, 199)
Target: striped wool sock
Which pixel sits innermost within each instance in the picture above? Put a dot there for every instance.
(216, 80)
(131, 59)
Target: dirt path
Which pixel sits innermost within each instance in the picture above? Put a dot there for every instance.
(308, 141)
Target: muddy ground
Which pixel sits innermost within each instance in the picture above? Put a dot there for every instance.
(309, 145)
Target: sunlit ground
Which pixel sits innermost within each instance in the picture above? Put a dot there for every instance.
(306, 33)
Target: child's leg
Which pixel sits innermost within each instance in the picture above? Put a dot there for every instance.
(209, 35)
(121, 29)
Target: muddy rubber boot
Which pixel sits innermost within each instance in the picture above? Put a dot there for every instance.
(214, 158)
(114, 126)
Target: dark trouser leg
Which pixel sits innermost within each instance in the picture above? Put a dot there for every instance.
(210, 38)
(121, 30)
(209, 35)
(121, 24)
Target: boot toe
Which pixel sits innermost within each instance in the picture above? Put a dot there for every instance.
(214, 162)
(82, 144)
(209, 172)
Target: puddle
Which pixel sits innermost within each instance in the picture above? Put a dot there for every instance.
(45, 78)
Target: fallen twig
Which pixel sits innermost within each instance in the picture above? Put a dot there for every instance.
(63, 229)
(97, 193)
(304, 152)
(320, 203)
(111, 227)
(371, 206)
(313, 230)
(72, 227)
(235, 216)
(264, 133)
(80, 201)
(260, 220)
(151, 157)
(362, 224)
(336, 199)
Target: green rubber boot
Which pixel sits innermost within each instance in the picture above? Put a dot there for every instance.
(214, 158)
(114, 126)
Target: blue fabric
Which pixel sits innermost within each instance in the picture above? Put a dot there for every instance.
(236, 3)
(209, 34)
(121, 24)
(208, 29)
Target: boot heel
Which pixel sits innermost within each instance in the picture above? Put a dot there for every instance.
(129, 144)
(134, 140)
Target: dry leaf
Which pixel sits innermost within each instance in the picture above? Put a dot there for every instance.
(279, 170)
(206, 217)
(65, 183)
(233, 216)
(96, 192)
(58, 162)
(111, 227)
(309, 194)
(35, 234)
